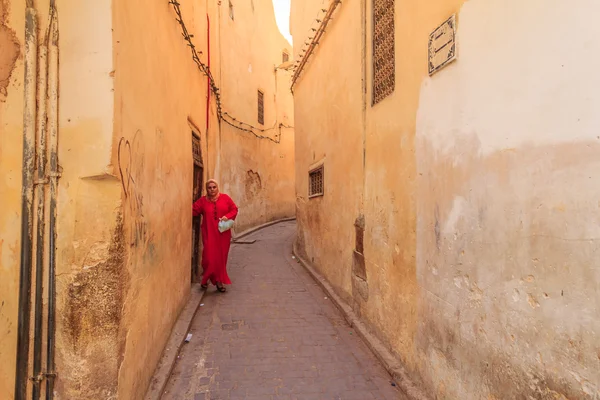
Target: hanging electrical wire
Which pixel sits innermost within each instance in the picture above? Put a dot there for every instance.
(221, 115)
(311, 32)
(313, 40)
(277, 139)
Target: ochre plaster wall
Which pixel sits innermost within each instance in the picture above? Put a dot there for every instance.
(508, 161)
(130, 96)
(158, 91)
(88, 198)
(480, 192)
(90, 252)
(328, 103)
(257, 173)
(12, 21)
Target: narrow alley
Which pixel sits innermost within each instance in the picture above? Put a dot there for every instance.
(274, 335)
(440, 161)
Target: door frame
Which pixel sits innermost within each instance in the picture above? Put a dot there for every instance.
(197, 190)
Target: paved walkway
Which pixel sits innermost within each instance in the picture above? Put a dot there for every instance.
(274, 335)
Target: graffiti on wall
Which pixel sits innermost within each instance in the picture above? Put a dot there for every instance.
(131, 168)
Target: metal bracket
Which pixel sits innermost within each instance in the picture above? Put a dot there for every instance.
(44, 181)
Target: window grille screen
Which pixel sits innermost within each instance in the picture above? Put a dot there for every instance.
(316, 183)
(261, 108)
(384, 63)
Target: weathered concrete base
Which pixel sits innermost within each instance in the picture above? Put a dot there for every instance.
(391, 364)
(176, 340)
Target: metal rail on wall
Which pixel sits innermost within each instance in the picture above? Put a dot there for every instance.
(28, 169)
(40, 143)
(314, 40)
(53, 174)
(205, 69)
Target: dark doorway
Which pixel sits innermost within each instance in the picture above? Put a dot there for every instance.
(197, 193)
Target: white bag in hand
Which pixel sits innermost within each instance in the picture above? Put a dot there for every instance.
(225, 225)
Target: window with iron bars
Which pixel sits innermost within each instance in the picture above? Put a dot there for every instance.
(285, 57)
(316, 184)
(261, 108)
(384, 59)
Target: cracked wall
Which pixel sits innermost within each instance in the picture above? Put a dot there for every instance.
(329, 127)
(91, 279)
(152, 151)
(160, 97)
(11, 49)
(129, 99)
(88, 198)
(508, 160)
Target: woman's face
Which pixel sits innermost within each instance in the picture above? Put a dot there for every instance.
(212, 189)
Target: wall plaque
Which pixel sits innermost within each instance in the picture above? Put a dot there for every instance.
(442, 45)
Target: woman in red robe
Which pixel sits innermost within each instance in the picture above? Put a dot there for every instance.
(215, 207)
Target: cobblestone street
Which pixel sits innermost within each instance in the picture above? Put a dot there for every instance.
(274, 335)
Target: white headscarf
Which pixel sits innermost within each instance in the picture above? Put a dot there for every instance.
(216, 183)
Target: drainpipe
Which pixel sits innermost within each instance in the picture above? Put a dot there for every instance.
(363, 57)
(27, 201)
(208, 67)
(217, 170)
(40, 195)
(207, 95)
(54, 175)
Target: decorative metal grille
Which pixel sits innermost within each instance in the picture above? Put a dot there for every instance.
(261, 108)
(196, 150)
(285, 57)
(316, 182)
(384, 59)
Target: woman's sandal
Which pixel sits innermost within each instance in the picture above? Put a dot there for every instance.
(221, 288)
(205, 286)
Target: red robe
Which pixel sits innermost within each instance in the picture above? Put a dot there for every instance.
(216, 244)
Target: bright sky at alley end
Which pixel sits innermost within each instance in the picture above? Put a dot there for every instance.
(282, 15)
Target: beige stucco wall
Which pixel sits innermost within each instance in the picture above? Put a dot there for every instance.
(129, 99)
(156, 108)
(509, 158)
(158, 88)
(502, 303)
(257, 173)
(328, 100)
(86, 195)
(90, 252)
(11, 134)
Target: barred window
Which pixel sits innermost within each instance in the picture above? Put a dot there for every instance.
(316, 182)
(261, 108)
(285, 57)
(384, 63)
